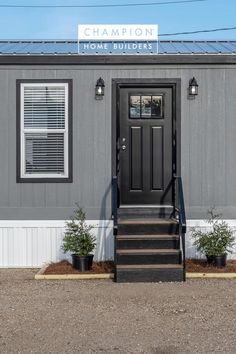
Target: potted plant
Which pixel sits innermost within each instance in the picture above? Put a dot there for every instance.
(216, 242)
(79, 240)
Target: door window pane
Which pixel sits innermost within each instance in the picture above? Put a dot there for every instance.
(157, 105)
(146, 102)
(134, 106)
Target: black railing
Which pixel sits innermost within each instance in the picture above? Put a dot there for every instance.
(115, 202)
(115, 206)
(179, 211)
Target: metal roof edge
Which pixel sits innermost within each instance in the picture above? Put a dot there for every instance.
(75, 59)
(70, 47)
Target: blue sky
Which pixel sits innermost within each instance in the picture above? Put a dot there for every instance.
(49, 23)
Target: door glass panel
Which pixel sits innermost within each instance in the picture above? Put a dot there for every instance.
(146, 107)
(146, 102)
(157, 106)
(134, 107)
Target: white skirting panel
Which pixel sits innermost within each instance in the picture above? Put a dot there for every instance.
(29, 243)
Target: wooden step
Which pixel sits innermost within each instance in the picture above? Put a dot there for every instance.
(147, 241)
(150, 266)
(147, 221)
(145, 237)
(147, 226)
(148, 251)
(149, 273)
(148, 256)
(158, 211)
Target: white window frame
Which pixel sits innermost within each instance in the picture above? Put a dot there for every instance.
(24, 130)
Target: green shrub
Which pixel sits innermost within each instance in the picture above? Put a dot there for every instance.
(78, 238)
(217, 241)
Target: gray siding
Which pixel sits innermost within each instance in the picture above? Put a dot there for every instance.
(208, 130)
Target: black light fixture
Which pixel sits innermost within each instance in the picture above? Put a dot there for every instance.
(99, 89)
(193, 87)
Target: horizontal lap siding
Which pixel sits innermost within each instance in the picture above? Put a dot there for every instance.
(207, 149)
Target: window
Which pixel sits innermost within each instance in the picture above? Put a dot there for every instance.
(44, 131)
(150, 106)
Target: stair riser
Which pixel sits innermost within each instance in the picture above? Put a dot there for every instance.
(147, 244)
(148, 259)
(136, 213)
(150, 275)
(150, 229)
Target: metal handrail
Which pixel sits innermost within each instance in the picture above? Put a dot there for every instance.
(115, 201)
(115, 205)
(180, 210)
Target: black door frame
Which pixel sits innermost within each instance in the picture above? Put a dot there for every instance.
(175, 85)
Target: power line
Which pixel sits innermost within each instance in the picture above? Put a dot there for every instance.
(199, 31)
(104, 5)
(160, 34)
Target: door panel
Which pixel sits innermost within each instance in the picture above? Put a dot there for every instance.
(157, 158)
(145, 154)
(136, 158)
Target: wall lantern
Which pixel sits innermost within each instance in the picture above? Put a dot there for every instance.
(99, 89)
(193, 87)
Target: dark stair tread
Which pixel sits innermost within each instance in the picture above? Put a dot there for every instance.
(147, 251)
(147, 237)
(147, 221)
(149, 266)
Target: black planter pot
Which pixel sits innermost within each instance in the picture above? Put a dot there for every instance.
(210, 259)
(217, 261)
(220, 261)
(82, 263)
(90, 260)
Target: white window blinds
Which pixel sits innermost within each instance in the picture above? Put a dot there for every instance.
(44, 130)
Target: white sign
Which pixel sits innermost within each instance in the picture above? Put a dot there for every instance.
(117, 33)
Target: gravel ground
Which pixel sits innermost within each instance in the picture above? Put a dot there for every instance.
(198, 316)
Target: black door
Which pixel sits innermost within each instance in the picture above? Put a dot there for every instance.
(145, 146)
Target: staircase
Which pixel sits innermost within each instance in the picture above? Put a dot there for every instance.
(148, 250)
(149, 246)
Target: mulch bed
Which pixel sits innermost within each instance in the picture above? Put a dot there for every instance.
(64, 267)
(192, 266)
(201, 266)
